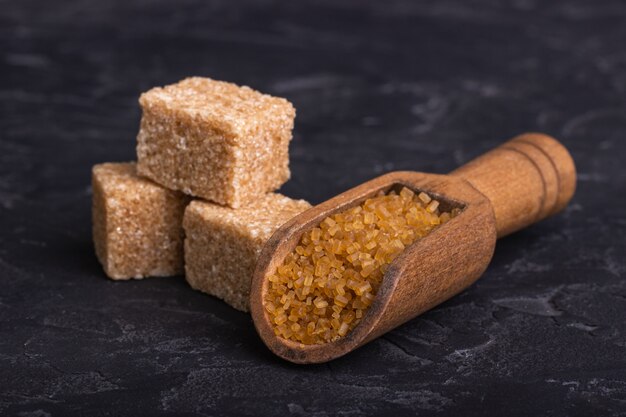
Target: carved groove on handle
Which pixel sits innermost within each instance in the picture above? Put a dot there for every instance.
(543, 210)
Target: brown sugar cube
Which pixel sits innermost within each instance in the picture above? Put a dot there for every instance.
(222, 244)
(137, 224)
(215, 140)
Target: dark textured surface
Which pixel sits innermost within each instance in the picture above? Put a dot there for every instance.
(397, 85)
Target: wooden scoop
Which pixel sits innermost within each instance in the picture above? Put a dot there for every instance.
(513, 186)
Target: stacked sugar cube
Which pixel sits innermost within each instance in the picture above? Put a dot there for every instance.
(200, 199)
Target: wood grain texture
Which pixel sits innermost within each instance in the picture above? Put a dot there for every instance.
(527, 179)
(520, 182)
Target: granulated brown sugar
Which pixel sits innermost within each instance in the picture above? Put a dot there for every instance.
(324, 287)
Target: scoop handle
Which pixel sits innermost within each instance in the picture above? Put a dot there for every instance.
(527, 179)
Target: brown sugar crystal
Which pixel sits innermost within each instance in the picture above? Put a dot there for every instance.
(324, 287)
(222, 244)
(137, 224)
(215, 140)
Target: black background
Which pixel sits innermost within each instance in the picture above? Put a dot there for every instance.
(379, 86)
